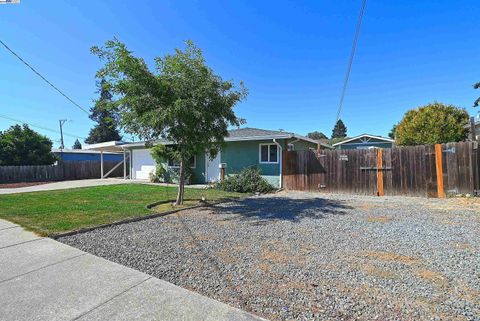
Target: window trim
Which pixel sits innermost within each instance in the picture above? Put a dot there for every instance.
(260, 153)
(178, 166)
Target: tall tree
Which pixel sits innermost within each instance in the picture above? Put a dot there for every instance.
(435, 123)
(20, 145)
(182, 101)
(77, 145)
(391, 134)
(339, 130)
(106, 128)
(317, 135)
(477, 102)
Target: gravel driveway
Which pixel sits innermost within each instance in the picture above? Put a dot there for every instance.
(314, 256)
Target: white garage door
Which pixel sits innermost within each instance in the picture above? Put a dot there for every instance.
(143, 163)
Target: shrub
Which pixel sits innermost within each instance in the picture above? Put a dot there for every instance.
(248, 181)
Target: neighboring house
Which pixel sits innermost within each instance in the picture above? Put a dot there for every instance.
(243, 148)
(365, 141)
(86, 155)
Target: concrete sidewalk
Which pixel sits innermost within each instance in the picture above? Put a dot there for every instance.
(41, 279)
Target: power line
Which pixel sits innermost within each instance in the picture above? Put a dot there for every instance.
(350, 61)
(41, 127)
(45, 79)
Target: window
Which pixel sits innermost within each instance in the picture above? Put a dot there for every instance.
(175, 163)
(268, 153)
(290, 147)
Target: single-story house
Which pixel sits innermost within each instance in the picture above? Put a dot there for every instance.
(244, 147)
(365, 141)
(70, 155)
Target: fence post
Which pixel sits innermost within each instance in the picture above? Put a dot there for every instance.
(380, 172)
(439, 168)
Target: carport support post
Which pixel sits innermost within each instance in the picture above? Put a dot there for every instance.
(101, 164)
(124, 165)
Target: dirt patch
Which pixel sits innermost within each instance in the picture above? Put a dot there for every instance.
(372, 270)
(434, 277)
(451, 204)
(462, 246)
(378, 219)
(392, 257)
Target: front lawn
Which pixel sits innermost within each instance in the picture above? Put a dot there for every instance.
(65, 210)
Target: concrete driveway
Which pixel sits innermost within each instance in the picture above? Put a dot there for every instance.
(41, 279)
(85, 183)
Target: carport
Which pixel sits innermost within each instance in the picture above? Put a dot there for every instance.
(111, 147)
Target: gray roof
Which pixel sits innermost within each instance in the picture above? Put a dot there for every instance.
(244, 134)
(255, 132)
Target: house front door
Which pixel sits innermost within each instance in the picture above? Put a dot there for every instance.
(212, 168)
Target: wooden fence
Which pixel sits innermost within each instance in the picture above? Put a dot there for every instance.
(69, 170)
(411, 171)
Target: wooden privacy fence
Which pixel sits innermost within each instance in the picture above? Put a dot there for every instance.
(69, 170)
(431, 171)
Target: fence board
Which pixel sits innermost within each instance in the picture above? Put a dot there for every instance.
(62, 171)
(409, 171)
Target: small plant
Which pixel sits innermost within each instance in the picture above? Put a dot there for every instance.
(249, 180)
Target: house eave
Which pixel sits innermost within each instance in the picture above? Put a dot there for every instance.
(384, 139)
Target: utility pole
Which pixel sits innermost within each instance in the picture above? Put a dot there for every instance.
(61, 122)
(62, 145)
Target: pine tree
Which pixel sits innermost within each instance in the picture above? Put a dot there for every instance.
(77, 145)
(106, 128)
(340, 130)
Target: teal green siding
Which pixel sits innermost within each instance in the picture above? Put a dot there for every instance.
(199, 170)
(240, 155)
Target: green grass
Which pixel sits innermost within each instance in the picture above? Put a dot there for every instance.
(59, 211)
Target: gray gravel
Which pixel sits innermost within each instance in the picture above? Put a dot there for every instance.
(314, 256)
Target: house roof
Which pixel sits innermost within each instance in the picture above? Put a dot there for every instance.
(80, 151)
(389, 140)
(248, 133)
(110, 146)
(245, 134)
(255, 132)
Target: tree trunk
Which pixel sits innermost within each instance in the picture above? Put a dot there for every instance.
(181, 184)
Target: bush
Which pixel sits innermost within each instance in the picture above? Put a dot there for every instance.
(248, 181)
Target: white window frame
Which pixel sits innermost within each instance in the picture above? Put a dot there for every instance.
(178, 166)
(291, 147)
(260, 153)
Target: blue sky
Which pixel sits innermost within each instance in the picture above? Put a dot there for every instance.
(292, 56)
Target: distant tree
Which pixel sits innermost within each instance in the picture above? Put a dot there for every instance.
(391, 134)
(106, 128)
(477, 102)
(182, 101)
(339, 130)
(336, 140)
(317, 135)
(20, 145)
(434, 123)
(77, 145)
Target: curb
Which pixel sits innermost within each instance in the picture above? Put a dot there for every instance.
(136, 219)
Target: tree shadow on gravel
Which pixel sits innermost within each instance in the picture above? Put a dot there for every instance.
(261, 210)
